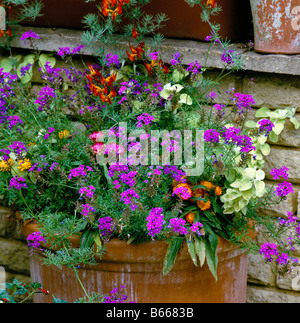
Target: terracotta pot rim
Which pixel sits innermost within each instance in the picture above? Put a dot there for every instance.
(224, 245)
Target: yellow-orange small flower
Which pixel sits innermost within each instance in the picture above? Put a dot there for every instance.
(6, 165)
(218, 190)
(190, 217)
(64, 134)
(203, 205)
(24, 164)
(207, 184)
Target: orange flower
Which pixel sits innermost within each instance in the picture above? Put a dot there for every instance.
(135, 34)
(204, 205)
(150, 66)
(112, 8)
(6, 33)
(136, 52)
(207, 184)
(97, 76)
(190, 217)
(211, 2)
(164, 66)
(218, 190)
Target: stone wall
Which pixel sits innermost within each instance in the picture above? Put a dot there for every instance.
(270, 89)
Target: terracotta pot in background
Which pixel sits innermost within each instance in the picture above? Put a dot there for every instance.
(139, 268)
(276, 26)
(184, 21)
(63, 14)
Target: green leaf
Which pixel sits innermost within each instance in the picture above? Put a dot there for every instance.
(185, 99)
(44, 58)
(200, 250)
(171, 255)
(250, 124)
(165, 94)
(97, 240)
(6, 64)
(211, 256)
(260, 188)
(28, 75)
(177, 76)
(87, 239)
(138, 106)
(273, 137)
(262, 112)
(57, 300)
(265, 149)
(295, 122)
(192, 250)
(278, 127)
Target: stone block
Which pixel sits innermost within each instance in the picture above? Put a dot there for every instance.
(273, 91)
(14, 256)
(257, 294)
(259, 272)
(290, 281)
(290, 204)
(282, 156)
(4, 212)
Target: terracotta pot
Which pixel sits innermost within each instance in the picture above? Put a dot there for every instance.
(185, 21)
(139, 268)
(63, 14)
(276, 26)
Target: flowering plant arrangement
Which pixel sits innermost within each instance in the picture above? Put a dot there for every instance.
(140, 150)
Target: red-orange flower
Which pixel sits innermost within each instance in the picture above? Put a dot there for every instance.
(136, 52)
(112, 8)
(96, 76)
(6, 33)
(212, 3)
(135, 34)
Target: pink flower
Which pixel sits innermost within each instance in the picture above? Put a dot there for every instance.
(98, 147)
(97, 136)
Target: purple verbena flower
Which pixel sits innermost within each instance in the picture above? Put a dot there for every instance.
(177, 225)
(35, 239)
(211, 135)
(280, 172)
(17, 182)
(155, 221)
(106, 226)
(283, 189)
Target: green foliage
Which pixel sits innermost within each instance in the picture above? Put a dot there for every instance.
(17, 292)
(52, 144)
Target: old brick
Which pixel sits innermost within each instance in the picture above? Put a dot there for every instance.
(257, 294)
(281, 156)
(273, 91)
(14, 256)
(259, 272)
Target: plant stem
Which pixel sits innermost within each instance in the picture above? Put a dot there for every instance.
(80, 282)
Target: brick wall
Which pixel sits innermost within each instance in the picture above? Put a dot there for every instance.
(270, 90)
